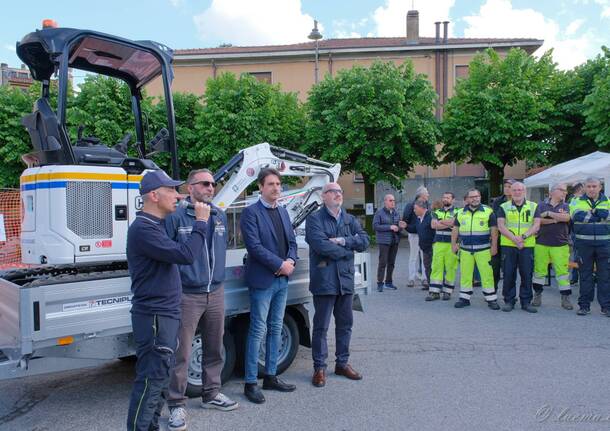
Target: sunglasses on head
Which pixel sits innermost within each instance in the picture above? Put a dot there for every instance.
(205, 183)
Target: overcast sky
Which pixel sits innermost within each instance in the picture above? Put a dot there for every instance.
(575, 29)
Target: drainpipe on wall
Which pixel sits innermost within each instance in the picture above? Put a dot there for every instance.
(437, 69)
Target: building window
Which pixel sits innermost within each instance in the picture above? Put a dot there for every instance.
(461, 71)
(358, 178)
(262, 76)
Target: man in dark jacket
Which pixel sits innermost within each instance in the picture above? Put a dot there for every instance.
(496, 261)
(333, 237)
(387, 226)
(415, 255)
(272, 255)
(425, 235)
(202, 302)
(155, 282)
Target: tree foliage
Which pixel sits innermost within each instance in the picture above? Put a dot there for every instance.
(378, 121)
(597, 105)
(14, 140)
(496, 116)
(569, 137)
(240, 112)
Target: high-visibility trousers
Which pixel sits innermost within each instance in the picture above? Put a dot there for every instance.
(559, 257)
(482, 259)
(444, 267)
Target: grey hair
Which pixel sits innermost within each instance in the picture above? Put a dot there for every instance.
(593, 180)
(518, 183)
(555, 186)
(420, 191)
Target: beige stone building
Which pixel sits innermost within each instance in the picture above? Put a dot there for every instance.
(443, 60)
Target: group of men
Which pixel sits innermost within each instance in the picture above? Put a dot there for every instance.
(513, 236)
(176, 257)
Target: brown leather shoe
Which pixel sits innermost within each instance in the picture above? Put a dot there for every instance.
(348, 372)
(319, 378)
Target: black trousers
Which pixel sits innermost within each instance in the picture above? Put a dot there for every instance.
(156, 338)
(387, 259)
(325, 306)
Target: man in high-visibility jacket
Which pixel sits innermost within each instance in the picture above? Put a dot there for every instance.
(552, 245)
(592, 240)
(444, 261)
(475, 226)
(518, 224)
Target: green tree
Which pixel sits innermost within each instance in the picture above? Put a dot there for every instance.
(568, 90)
(103, 106)
(187, 111)
(378, 121)
(597, 106)
(240, 112)
(14, 139)
(496, 116)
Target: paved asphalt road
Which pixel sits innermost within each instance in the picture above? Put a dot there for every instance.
(427, 366)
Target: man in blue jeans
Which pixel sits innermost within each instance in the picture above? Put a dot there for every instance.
(333, 236)
(272, 255)
(155, 282)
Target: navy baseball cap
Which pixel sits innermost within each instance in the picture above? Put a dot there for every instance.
(155, 179)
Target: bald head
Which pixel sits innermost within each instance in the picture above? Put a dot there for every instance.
(389, 201)
(332, 196)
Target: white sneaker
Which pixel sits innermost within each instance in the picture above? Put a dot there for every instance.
(177, 419)
(220, 402)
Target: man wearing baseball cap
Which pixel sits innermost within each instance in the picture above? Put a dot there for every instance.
(153, 260)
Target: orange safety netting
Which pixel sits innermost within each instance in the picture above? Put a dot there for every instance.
(10, 229)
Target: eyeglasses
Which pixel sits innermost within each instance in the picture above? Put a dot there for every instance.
(205, 183)
(335, 191)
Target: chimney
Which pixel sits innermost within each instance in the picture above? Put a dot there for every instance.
(437, 39)
(412, 27)
(445, 25)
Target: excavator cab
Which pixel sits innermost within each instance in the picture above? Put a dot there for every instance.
(79, 197)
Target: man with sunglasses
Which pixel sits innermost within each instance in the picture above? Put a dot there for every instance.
(552, 245)
(202, 302)
(333, 236)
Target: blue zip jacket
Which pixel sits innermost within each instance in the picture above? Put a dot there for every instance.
(331, 266)
(207, 272)
(152, 257)
(591, 225)
(382, 221)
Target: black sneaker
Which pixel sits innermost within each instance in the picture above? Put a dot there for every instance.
(254, 393)
(606, 311)
(446, 296)
(493, 305)
(461, 303)
(529, 308)
(583, 311)
(509, 306)
(379, 287)
(390, 286)
(274, 383)
(433, 296)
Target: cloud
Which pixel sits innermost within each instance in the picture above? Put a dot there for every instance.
(10, 47)
(605, 5)
(390, 19)
(345, 29)
(498, 18)
(176, 3)
(247, 22)
(574, 26)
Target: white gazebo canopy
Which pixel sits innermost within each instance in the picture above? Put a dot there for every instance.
(596, 164)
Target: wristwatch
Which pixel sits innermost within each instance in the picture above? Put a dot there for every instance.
(524, 236)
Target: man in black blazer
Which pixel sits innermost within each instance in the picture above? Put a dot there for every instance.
(272, 255)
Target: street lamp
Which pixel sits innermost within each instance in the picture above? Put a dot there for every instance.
(315, 35)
